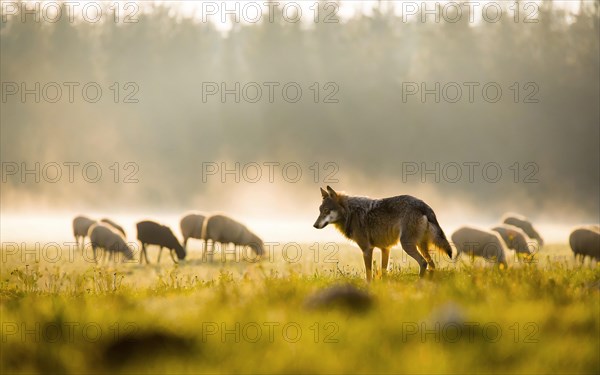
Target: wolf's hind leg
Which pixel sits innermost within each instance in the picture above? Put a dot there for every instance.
(411, 249)
(424, 250)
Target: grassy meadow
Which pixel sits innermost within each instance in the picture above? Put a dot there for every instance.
(61, 313)
(145, 110)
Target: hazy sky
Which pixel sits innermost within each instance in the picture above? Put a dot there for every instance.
(346, 9)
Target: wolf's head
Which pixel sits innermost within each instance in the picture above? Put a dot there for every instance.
(331, 211)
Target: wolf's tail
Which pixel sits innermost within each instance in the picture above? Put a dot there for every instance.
(437, 234)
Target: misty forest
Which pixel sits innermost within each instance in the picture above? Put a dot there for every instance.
(549, 119)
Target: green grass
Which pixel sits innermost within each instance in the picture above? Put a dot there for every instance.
(72, 316)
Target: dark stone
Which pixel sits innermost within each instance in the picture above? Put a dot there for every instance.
(344, 296)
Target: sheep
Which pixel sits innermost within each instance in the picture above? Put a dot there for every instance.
(151, 233)
(81, 227)
(107, 238)
(480, 242)
(224, 230)
(585, 242)
(515, 239)
(522, 222)
(115, 226)
(191, 227)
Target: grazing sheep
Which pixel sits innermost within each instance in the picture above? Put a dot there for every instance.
(585, 242)
(522, 222)
(191, 227)
(225, 230)
(151, 233)
(514, 238)
(104, 237)
(81, 227)
(115, 226)
(478, 242)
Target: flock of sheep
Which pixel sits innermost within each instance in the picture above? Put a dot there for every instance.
(109, 236)
(518, 234)
(514, 233)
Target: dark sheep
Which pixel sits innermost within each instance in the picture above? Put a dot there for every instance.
(585, 242)
(151, 233)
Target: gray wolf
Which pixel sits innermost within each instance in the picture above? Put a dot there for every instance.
(383, 223)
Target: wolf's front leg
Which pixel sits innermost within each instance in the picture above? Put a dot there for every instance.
(385, 257)
(368, 257)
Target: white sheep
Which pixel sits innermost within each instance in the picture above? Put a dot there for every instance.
(192, 226)
(479, 242)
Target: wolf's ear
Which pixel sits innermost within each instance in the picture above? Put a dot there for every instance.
(324, 193)
(332, 192)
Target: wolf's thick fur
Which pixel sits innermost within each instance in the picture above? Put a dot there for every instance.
(383, 223)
